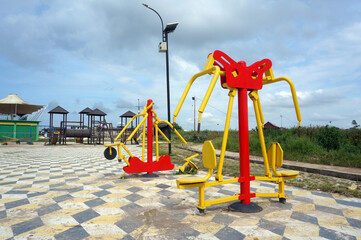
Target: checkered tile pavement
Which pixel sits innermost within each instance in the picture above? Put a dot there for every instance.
(73, 192)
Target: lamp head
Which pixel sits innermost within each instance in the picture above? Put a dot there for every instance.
(170, 27)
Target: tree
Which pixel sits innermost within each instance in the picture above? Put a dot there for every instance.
(178, 127)
(354, 123)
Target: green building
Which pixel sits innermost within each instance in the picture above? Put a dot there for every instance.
(19, 129)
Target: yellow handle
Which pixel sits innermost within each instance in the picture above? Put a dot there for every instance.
(293, 91)
(216, 71)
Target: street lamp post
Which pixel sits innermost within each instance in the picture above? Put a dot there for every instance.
(163, 47)
(194, 119)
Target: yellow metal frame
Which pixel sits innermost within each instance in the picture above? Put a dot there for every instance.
(270, 155)
(142, 123)
(188, 162)
(208, 69)
(209, 162)
(269, 78)
(275, 158)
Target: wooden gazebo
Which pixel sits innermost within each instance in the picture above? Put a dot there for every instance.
(125, 116)
(53, 137)
(96, 119)
(83, 113)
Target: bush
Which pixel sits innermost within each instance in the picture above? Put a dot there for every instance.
(326, 145)
(348, 156)
(329, 138)
(354, 137)
(302, 149)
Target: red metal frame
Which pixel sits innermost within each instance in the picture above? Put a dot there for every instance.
(137, 166)
(244, 78)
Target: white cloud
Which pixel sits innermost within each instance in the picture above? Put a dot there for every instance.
(107, 52)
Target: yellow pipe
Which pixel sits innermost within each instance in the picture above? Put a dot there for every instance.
(156, 141)
(175, 130)
(155, 116)
(143, 113)
(136, 129)
(207, 95)
(260, 111)
(221, 200)
(186, 163)
(293, 91)
(126, 149)
(156, 122)
(281, 188)
(161, 132)
(214, 69)
(111, 145)
(120, 156)
(209, 174)
(127, 125)
(216, 183)
(147, 107)
(201, 199)
(180, 136)
(232, 93)
(119, 151)
(273, 161)
(255, 98)
(209, 184)
(191, 157)
(209, 62)
(267, 194)
(263, 178)
(143, 145)
(126, 161)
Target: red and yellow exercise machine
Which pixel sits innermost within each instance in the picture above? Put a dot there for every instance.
(136, 165)
(238, 78)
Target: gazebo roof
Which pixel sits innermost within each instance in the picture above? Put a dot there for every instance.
(97, 112)
(13, 104)
(59, 109)
(128, 114)
(86, 111)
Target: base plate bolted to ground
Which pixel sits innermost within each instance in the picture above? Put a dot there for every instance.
(245, 208)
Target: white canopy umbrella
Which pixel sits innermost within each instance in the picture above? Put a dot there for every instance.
(13, 104)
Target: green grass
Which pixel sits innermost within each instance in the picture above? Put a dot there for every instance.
(323, 145)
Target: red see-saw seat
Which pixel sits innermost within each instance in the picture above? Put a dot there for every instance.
(137, 166)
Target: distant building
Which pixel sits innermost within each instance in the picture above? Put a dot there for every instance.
(270, 125)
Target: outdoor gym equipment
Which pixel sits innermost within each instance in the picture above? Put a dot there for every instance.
(136, 165)
(238, 78)
(28, 140)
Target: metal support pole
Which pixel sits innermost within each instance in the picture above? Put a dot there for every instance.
(150, 134)
(168, 93)
(244, 205)
(194, 117)
(243, 145)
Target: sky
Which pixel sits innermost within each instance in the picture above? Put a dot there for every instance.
(104, 54)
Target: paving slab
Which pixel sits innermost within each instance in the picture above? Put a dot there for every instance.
(73, 192)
